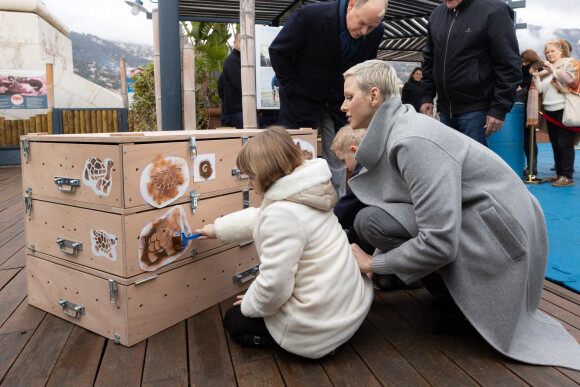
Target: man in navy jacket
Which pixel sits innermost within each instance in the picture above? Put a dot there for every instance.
(232, 85)
(472, 62)
(318, 43)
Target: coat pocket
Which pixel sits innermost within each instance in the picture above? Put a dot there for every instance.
(503, 234)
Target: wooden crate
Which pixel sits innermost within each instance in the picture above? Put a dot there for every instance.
(135, 172)
(131, 311)
(115, 243)
(100, 213)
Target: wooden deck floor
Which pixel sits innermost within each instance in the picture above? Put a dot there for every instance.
(394, 346)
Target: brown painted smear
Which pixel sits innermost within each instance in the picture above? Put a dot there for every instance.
(164, 182)
(205, 169)
(159, 241)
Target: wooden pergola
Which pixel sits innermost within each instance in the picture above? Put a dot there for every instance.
(404, 38)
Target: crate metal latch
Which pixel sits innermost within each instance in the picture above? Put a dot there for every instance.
(192, 147)
(246, 194)
(26, 148)
(28, 201)
(194, 200)
(247, 275)
(113, 291)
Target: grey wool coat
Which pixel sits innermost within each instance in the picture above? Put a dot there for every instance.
(471, 219)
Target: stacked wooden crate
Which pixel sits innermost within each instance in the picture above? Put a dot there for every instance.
(101, 211)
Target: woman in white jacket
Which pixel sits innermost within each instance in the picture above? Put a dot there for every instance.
(310, 296)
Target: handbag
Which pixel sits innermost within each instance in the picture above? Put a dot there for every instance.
(571, 116)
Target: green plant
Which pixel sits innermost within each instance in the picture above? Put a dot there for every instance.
(211, 50)
(142, 115)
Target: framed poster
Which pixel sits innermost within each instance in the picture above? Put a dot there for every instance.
(23, 89)
(266, 82)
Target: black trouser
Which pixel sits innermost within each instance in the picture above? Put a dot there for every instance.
(384, 232)
(247, 331)
(563, 141)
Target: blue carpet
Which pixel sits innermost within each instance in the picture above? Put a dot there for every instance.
(561, 207)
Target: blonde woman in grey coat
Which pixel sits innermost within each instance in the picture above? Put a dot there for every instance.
(440, 202)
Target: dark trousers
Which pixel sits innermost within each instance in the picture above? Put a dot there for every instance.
(384, 232)
(237, 120)
(247, 331)
(563, 141)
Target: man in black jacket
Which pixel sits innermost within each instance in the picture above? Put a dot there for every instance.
(472, 63)
(318, 43)
(232, 86)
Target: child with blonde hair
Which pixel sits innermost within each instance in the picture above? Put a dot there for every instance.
(310, 296)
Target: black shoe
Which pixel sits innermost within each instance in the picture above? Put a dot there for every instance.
(387, 282)
(453, 323)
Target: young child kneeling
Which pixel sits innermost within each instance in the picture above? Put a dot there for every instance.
(310, 296)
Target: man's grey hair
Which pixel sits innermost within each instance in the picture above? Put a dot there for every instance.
(358, 3)
(375, 73)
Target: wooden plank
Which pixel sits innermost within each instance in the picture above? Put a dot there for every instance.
(38, 119)
(428, 360)
(253, 366)
(6, 276)
(12, 201)
(561, 292)
(345, 368)
(209, 358)
(17, 261)
(99, 118)
(2, 132)
(12, 295)
(121, 366)
(104, 121)
(35, 363)
(16, 332)
(44, 118)
(115, 120)
(94, 127)
(468, 350)
(12, 247)
(298, 371)
(14, 133)
(77, 121)
(166, 358)
(529, 374)
(385, 362)
(49, 128)
(33, 125)
(26, 126)
(562, 315)
(88, 124)
(20, 129)
(79, 361)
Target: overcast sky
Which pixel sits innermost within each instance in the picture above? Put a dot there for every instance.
(112, 19)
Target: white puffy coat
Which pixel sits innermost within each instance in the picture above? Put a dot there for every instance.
(310, 291)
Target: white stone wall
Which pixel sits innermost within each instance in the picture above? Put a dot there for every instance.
(28, 42)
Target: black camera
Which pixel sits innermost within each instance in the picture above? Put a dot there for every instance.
(539, 66)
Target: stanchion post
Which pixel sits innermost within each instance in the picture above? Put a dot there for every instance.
(532, 179)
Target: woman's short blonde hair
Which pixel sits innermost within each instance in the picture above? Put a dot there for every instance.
(347, 137)
(375, 73)
(269, 156)
(561, 45)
